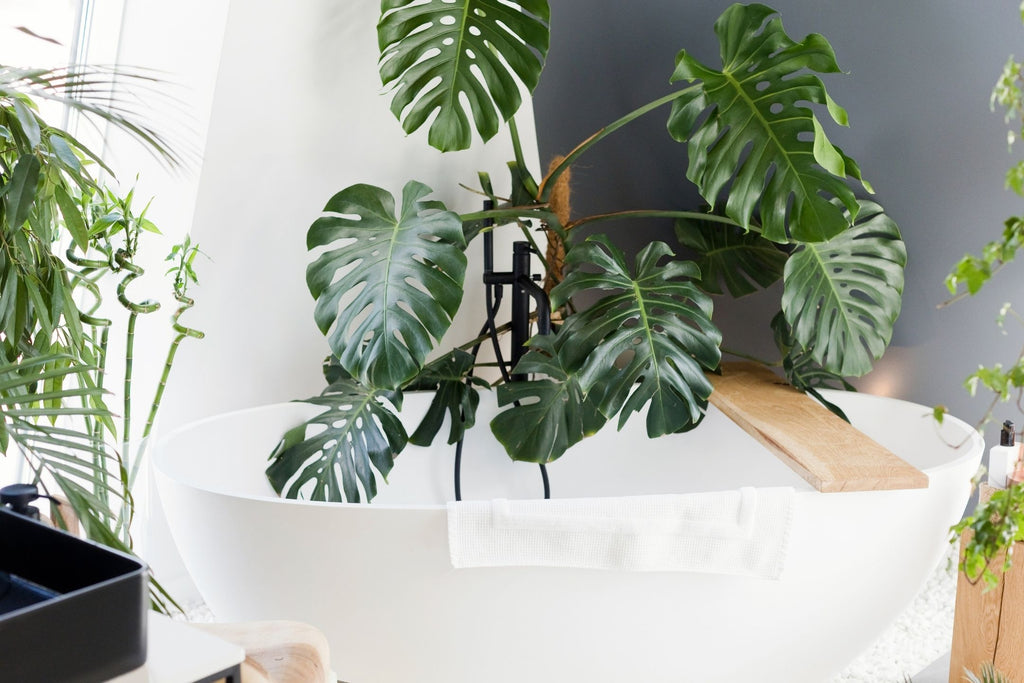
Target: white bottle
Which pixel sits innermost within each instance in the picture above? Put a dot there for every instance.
(1002, 459)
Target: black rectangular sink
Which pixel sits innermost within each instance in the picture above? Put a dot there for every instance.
(71, 611)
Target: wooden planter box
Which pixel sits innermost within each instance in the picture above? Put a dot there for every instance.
(989, 626)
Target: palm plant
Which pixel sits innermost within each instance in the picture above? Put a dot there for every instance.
(390, 273)
(53, 403)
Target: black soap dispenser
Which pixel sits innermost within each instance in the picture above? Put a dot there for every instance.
(17, 498)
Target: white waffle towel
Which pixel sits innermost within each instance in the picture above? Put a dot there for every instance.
(743, 532)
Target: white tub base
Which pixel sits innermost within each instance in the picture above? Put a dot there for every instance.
(377, 579)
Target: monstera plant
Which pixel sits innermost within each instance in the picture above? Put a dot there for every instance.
(389, 277)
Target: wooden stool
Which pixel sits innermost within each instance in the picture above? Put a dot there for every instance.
(988, 626)
(278, 651)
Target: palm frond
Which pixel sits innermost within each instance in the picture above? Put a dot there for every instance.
(48, 429)
(99, 92)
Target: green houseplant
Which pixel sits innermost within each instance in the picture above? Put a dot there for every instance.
(67, 240)
(389, 276)
(998, 524)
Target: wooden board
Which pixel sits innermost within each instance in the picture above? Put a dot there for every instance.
(277, 651)
(822, 448)
(988, 626)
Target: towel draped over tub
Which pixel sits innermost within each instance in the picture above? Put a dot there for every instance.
(743, 532)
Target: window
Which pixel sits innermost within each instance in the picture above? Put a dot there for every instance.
(54, 21)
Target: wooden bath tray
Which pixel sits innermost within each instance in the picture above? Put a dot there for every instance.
(822, 448)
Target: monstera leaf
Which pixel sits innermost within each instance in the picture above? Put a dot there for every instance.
(454, 393)
(743, 261)
(802, 371)
(648, 341)
(390, 290)
(355, 432)
(745, 130)
(842, 297)
(551, 413)
(436, 52)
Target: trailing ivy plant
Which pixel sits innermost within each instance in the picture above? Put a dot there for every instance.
(997, 524)
(389, 277)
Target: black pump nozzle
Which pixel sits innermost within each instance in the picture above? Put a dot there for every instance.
(1006, 434)
(18, 497)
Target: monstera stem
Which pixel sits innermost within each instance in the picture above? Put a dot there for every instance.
(548, 183)
(750, 357)
(693, 215)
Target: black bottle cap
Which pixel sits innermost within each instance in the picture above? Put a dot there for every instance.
(1006, 435)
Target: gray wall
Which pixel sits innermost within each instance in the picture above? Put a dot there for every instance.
(919, 74)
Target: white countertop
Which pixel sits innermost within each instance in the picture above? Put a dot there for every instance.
(178, 653)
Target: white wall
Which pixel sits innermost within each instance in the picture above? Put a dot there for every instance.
(283, 108)
(179, 43)
(297, 115)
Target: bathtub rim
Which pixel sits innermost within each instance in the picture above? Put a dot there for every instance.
(972, 447)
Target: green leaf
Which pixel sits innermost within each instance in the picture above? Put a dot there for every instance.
(29, 123)
(30, 416)
(747, 130)
(95, 514)
(87, 89)
(647, 341)
(802, 371)
(72, 218)
(359, 434)
(842, 297)
(744, 261)
(454, 394)
(974, 271)
(62, 150)
(436, 52)
(996, 379)
(20, 193)
(995, 526)
(389, 291)
(550, 413)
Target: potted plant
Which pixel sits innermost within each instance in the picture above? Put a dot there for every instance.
(68, 238)
(389, 273)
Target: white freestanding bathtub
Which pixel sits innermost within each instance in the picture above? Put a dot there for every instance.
(378, 581)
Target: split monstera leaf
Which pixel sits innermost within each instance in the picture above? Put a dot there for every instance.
(391, 276)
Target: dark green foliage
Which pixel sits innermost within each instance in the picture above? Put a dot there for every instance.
(842, 297)
(743, 261)
(647, 341)
(752, 140)
(359, 432)
(382, 324)
(455, 394)
(463, 35)
(391, 281)
(552, 412)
